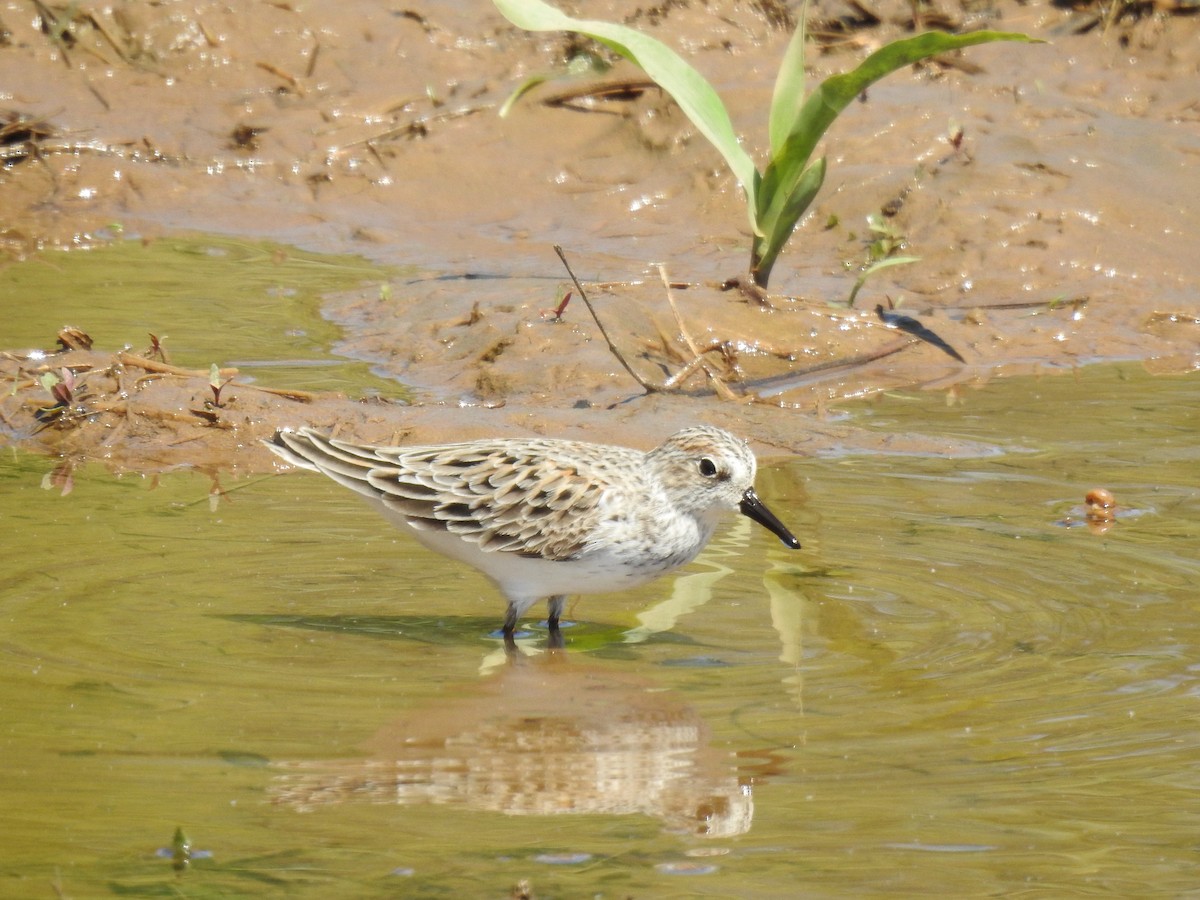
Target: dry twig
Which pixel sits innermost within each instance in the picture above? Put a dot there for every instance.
(649, 387)
(723, 390)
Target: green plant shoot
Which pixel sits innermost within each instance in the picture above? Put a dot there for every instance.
(778, 196)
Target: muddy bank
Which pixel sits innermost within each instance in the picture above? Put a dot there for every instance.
(137, 413)
(1047, 190)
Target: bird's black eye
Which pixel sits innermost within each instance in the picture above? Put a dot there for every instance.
(708, 468)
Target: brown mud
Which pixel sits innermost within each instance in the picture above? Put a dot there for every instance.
(1049, 191)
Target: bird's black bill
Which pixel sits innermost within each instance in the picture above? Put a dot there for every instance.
(755, 509)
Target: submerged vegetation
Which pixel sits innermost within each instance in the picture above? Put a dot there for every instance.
(778, 196)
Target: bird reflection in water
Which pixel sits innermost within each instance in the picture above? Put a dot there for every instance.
(542, 736)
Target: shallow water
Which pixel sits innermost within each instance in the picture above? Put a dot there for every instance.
(234, 302)
(947, 689)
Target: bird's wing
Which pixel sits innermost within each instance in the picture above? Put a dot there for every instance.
(507, 496)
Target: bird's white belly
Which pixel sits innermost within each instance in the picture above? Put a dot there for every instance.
(607, 566)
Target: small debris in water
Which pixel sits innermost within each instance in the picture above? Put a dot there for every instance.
(1098, 514)
(1100, 502)
(1101, 510)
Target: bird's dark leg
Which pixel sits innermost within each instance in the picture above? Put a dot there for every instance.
(556, 607)
(510, 625)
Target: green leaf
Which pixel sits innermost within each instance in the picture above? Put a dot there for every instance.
(779, 187)
(521, 90)
(777, 197)
(788, 98)
(835, 93)
(875, 267)
(777, 231)
(666, 68)
(579, 65)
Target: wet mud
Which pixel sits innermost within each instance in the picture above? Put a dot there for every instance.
(1048, 190)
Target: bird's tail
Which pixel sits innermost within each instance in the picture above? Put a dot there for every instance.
(345, 463)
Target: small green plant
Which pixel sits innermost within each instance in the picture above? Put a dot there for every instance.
(156, 349)
(69, 398)
(779, 195)
(887, 237)
(580, 64)
(216, 385)
(61, 389)
(555, 314)
(874, 267)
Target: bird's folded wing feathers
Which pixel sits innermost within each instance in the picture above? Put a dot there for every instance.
(491, 498)
(494, 496)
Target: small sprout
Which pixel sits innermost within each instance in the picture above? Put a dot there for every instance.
(875, 267)
(69, 394)
(556, 313)
(217, 385)
(889, 238)
(64, 391)
(49, 381)
(832, 222)
(181, 853)
(385, 292)
(580, 64)
(61, 389)
(955, 135)
(156, 347)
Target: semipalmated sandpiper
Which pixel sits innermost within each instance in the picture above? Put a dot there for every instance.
(545, 518)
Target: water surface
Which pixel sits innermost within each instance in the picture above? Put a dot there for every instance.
(247, 304)
(947, 690)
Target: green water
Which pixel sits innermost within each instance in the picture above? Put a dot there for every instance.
(252, 305)
(945, 692)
